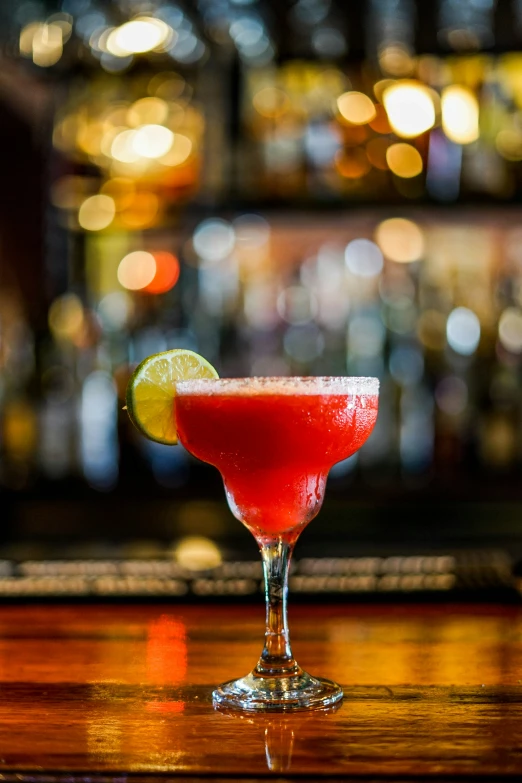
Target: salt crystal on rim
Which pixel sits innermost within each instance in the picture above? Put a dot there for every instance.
(282, 385)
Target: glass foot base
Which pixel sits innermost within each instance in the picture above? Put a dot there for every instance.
(278, 694)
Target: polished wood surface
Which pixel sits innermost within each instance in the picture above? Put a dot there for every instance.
(430, 691)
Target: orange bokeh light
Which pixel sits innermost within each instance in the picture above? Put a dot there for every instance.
(167, 273)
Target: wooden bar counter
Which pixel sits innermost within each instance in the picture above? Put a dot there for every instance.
(432, 692)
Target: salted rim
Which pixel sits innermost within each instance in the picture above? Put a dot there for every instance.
(281, 385)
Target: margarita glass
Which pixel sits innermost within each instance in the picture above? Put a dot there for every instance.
(274, 441)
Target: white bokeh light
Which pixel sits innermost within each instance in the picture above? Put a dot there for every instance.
(463, 331)
(114, 310)
(214, 240)
(251, 230)
(363, 258)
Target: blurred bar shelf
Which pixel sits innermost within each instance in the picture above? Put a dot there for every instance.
(463, 576)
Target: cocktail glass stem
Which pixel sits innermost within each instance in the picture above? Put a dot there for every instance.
(276, 658)
(277, 682)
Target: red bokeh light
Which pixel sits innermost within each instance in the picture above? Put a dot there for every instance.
(167, 273)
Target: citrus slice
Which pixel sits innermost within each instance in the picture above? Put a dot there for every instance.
(152, 388)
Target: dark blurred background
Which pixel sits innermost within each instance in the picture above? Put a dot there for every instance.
(288, 187)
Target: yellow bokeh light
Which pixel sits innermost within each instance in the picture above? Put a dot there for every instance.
(509, 144)
(152, 141)
(148, 110)
(89, 138)
(115, 116)
(66, 317)
(47, 45)
(400, 240)
(356, 107)
(410, 108)
(460, 114)
(179, 152)
(271, 102)
(122, 147)
(197, 553)
(137, 36)
(121, 190)
(108, 137)
(396, 60)
(167, 85)
(380, 86)
(97, 212)
(136, 270)
(510, 329)
(27, 34)
(431, 329)
(404, 160)
(20, 429)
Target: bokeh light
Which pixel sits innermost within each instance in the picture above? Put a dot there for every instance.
(252, 231)
(510, 329)
(122, 147)
(460, 114)
(404, 160)
(152, 141)
(121, 190)
(431, 329)
(380, 123)
(115, 310)
(304, 343)
(356, 107)
(297, 305)
(363, 258)
(396, 60)
(451, 395)
(376, 150)
(148, 111)
(136, 270)
(27, 34)
(382, 85)
(139, 35)
(463, 331)
(141, 212)
(197, 553)
(43, 42)
(400, 240)
(213, 240)
(96, 212)
(166, 275)
(410, 108)
(366, 336)
(352, 163)
(167, 85)
(509, 143)
(271, 102)
(66, 317)
(406, 365)
(179, 151)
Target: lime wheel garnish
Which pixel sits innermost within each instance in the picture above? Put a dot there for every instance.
(152, 388)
